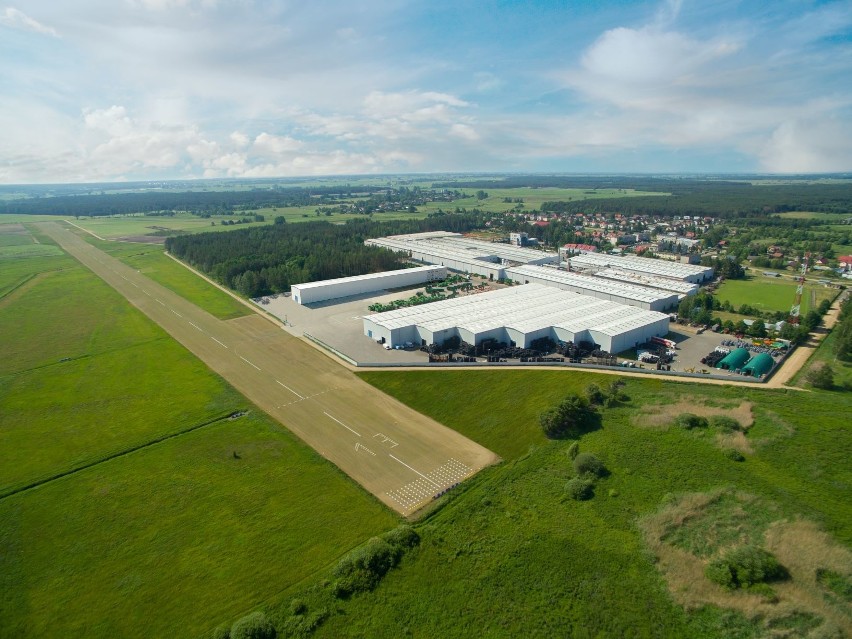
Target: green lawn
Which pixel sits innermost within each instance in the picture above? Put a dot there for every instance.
(176, 538)
(771, 293)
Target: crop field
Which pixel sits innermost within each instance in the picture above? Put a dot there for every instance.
(771, 294)
(144, 531)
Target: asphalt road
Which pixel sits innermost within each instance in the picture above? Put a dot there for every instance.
(397, 454)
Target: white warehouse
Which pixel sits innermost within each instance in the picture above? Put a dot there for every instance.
(520, 314)
(592, 262)
(650, 299)
(463, 254)
(311, 292)
(680, 287)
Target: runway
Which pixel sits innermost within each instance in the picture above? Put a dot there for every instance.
(399, 455)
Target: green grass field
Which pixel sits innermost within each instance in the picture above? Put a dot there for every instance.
(771, 293)
(177, 534)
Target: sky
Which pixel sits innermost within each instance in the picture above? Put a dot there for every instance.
(111, 90)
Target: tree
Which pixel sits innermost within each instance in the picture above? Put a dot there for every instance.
(570, 418)
(586, 464)
(253, 626)
(758, 329)
(821, 377)
(740, 327)
(280, 219)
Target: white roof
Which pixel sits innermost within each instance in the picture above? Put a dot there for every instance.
(643, 264)
(591, 283)
(463, 249)
(368, 276)
(524, 308)
(665, 283)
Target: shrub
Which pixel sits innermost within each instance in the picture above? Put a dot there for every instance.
(221, 632)
(821, 377)
(570, 418)
(734, 455)
(580, 488)
(363, 568)
(574, 450)
(253, 626)
(297, 607)
(744, 567)
(723, 422)
(403, 537)
(690, 421)
(594, 394)
(588, 464)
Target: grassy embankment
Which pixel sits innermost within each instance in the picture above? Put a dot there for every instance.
(177, 534)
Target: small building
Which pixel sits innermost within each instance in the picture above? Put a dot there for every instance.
(759, 365)
(323, 290)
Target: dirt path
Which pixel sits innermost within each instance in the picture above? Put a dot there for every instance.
(397, 454)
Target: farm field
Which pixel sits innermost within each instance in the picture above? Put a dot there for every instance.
(771, 294)
(177, 534)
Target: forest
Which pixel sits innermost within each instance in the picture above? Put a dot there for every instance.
(269, 259)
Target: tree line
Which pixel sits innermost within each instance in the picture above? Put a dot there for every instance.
(270, 259)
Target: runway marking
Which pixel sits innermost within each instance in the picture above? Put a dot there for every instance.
(175, 312)
(134, 284)
(290, 389)
(415, 493)
(386, 440)
(159, 302)
(196, 326)
(341, 423)
(218, 342)
(146, 292)
(437, 485)
(248, 362)
(362, 447)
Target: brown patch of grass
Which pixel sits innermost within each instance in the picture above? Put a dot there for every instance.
(800, 546)
(736, 440)
(661, 416)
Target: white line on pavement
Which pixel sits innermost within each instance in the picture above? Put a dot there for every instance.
(290, 389)
(342, 424)
(195, 326)
(175, 312)
(217, 341)
(416, 471)
(248, 362)
(159, 302)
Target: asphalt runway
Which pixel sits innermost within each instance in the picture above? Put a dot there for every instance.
(402, 457)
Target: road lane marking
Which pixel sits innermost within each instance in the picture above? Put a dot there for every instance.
(290, 389)
(342, 424)
(218, 342)
(159, 302)
(195, 326)
(415, 470)
(175, 312)
(248, 362)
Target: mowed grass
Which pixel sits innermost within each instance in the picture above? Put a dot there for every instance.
(175, 535)
(174, 539)
(771, 293)
(511, 555)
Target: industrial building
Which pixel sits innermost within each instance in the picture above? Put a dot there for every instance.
(593, 262)
(519, 315)
(463, 254)
(321, 291)
(650, 299)
(681, 288)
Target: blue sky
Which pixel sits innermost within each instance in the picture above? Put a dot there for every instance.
(96, 90)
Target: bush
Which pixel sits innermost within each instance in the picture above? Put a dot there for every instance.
(821, 377)
(744, 567)
(580, 488)
(573, 450)
(723, 422)
(594, 394)
(690, 421)
(363, 568)
(403, 537)
(588, 465)
(570, 418)
(253, 626)
(221, 632)
(734, 455)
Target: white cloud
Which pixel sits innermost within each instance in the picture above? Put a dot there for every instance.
(805, 145)
(267, 144)
(465, 132)
(17, 19)
(239, 139)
